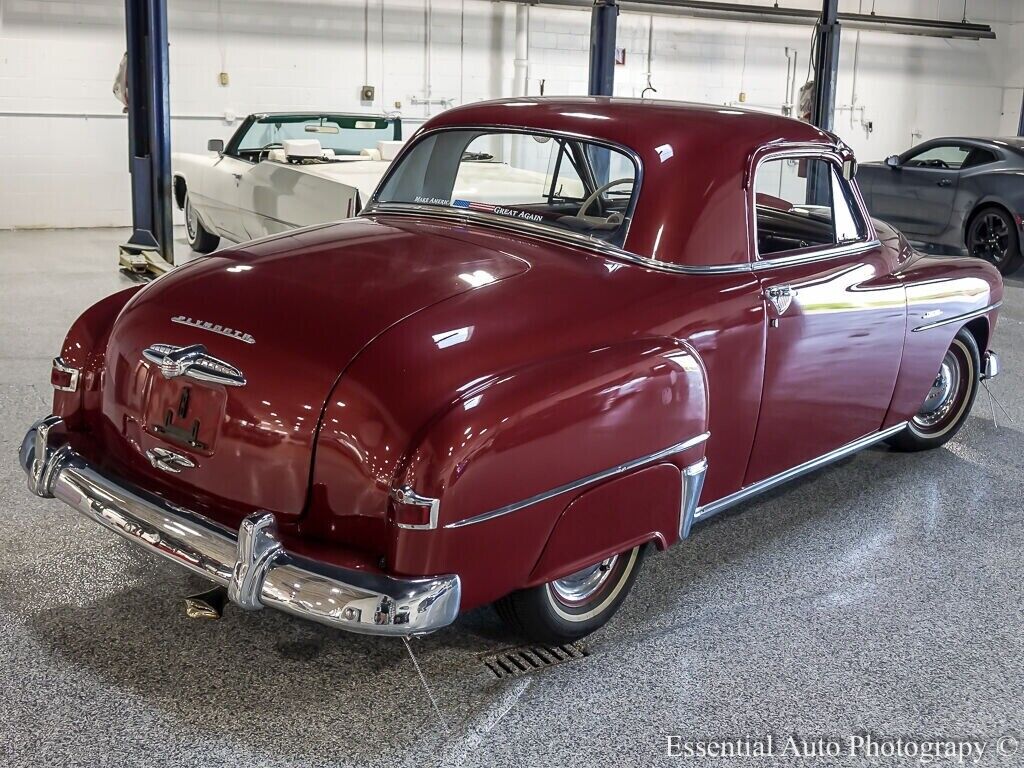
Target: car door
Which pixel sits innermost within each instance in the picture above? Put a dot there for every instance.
(835, 315)
(221, 187)
(917, 195)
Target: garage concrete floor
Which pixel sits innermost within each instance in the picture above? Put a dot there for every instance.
(882, 594)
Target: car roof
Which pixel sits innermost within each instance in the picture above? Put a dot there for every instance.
(623, 120)
(695, 161)
(1015, 143)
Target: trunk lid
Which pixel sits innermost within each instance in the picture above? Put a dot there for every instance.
(288, 314)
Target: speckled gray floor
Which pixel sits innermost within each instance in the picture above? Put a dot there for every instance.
(883, 594)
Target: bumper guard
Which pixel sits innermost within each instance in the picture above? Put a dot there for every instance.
(251, 562)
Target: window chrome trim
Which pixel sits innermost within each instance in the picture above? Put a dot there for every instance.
(720, 505)
(834, 159)
(547, 233)
(849, 249)
(957, 318)
(583, 481)
(510, 223)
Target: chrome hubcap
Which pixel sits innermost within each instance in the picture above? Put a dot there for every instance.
(584, 584)
(191, 220)
(940, 397)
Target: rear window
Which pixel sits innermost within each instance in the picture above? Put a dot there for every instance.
(539, 179)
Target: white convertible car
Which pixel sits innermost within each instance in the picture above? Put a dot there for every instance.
(283, 171)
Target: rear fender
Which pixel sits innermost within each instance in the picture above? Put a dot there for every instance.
(83, 349)
(510, 455)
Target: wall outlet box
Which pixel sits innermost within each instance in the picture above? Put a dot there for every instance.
(367, 93)
(398, 105)
(224, 79)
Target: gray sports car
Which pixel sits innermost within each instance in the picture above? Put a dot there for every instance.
(953, 193)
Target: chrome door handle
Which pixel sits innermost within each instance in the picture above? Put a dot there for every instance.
(945, 182)
(237, 176)
(781, 296)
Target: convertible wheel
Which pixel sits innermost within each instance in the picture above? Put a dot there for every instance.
(949, 401)
(992, 236)
(200, 240)
(572, 607)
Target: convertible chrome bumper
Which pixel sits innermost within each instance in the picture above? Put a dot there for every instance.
(251, 562)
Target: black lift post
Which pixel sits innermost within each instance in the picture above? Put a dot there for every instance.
(826, 65)
(150, 249)
(603, 18)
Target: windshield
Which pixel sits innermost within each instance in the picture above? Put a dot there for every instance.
(344, 134)
(556, 181)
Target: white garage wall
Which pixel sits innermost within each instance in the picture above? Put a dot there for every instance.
(58, 58)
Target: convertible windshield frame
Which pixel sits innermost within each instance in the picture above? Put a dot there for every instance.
(547, 231)
(233, 146)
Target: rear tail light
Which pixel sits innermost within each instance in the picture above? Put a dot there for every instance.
(414, 511)
(63, 377)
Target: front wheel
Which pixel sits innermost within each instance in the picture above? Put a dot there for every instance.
(572, 607)
(948, 402)
(199, 238)
(992, 236)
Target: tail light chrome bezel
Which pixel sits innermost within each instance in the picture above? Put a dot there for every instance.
(73, 374)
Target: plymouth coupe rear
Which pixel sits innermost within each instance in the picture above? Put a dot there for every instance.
(508, 392)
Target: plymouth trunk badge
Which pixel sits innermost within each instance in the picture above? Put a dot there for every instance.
(214, 328)
(193, 361)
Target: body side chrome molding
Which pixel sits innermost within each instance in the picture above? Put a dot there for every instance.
(958, 318)
(583, 481)
(713, 508)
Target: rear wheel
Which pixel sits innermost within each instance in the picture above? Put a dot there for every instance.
(200, 240)
(992, 236)
(948, 402)
(572, 607)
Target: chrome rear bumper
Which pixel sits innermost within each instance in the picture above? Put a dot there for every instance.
(251, 562)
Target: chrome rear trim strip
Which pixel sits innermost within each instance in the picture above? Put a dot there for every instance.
(577, 484)
(722, 504)
(958, 318)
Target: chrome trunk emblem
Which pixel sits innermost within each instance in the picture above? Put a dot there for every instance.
(192, 361)
(213, 328)
(169, 461)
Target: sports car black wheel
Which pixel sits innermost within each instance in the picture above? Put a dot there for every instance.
(200, 240)
(567, 609)
(992, 235)
(948, 402)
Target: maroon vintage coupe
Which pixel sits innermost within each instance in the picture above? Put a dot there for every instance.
(562, 330)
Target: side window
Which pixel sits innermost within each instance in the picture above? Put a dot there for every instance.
(978, 156)
(802, 203)
(945, 156)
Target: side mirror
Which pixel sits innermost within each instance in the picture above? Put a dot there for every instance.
(849, 169)
(215, 145)
(893, 161)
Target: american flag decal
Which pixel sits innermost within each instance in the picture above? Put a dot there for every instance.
(473, 206)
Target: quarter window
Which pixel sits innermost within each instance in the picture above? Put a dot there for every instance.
(802, 203)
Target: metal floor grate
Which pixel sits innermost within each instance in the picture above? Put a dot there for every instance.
(513, 662)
